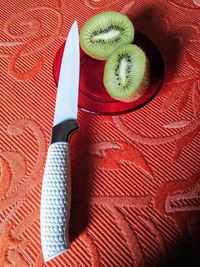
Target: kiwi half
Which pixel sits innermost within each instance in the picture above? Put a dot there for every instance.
(105, 32)
(126, 73)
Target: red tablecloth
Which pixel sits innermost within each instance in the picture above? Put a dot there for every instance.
(135, 177)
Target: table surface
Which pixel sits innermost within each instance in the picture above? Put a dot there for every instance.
(135, 177)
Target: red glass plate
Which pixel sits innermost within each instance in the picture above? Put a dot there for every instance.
(92, 93)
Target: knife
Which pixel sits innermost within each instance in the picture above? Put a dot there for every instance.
(55, 196)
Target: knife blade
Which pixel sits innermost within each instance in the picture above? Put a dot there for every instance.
(56, 184)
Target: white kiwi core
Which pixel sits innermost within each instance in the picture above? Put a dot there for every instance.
(122, 70)
(107, 35)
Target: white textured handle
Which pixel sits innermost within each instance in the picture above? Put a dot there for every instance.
(55, 202)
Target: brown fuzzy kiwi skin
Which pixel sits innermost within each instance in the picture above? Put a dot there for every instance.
(140, 90)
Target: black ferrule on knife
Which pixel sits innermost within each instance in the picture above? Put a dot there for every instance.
(62, 131)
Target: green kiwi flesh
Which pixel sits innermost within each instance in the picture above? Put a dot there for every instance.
(126, 73)
(105, 32)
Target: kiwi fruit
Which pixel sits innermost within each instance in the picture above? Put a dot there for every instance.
(104, 33)
(126, 73)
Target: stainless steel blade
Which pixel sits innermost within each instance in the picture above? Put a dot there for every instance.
(67, 94)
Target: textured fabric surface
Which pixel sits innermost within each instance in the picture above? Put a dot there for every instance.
(135, 177)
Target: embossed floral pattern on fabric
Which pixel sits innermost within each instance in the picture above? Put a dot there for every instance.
(135, 177)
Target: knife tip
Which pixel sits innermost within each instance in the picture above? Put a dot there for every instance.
(75, 24)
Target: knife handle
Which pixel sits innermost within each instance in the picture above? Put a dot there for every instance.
(55, 201)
